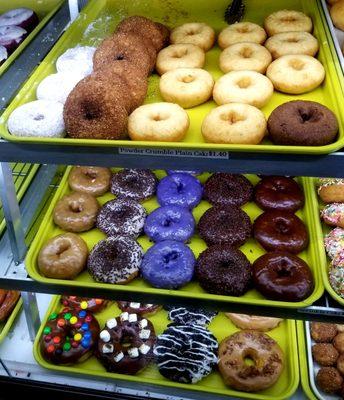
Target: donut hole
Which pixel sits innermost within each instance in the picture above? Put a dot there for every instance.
(91, 175)
(90, 111)
(187, 79)
(62, 247)
(311, 115)
(249, 357)
(127, 340)
(167, 222)
(159, 116)
(172, 256)
(246, 52)
(243, 29)
(179, 53)
(179, 186)
(75, 207)
(38, 117)
(193, 31)
(296, 64)
(118, 57)
(244, 83)
(232, 117)
(292, 40)
(288, 19)
(282, 227)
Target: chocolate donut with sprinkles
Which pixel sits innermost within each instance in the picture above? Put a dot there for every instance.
(84, 303)
(69, 337)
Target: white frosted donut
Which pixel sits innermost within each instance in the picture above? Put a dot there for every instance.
(57, 87)
(78, 59)
(160, 122)
(247, 87)
(181, 55)
(241, 32)
(286, 43)
(287, 21)
(245, 56)
(197, 33)
(187, 87)
(296, 74)
(39, 118)
(234, 123)
(262, 324)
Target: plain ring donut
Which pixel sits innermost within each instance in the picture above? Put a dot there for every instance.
(197, 33)
(245, 56)
(248, 87)
(241, 32)
(296, 74)
(161, 122)
(182, 55)
(234, 123)
(187, 87)
(286, 43)
(287, 21)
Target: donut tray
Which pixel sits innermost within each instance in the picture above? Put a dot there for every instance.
(5, 326)
(99, 18)
(193, 290)
(45, 10)
(221, 327)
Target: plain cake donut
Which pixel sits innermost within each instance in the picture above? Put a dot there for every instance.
(241, 32)
(197, 33)
(287, 21)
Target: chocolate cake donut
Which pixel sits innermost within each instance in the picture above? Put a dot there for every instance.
(302, 123)
(136, 184)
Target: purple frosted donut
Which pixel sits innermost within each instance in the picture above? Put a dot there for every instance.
(179, 171)
(179, 189)
(136, 184)
(168, 265)
(23, 17)
(170, 223)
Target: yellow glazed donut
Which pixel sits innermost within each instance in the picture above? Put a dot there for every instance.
(245, 56)
(160, 122)
(197, 33)
(286, 43)
(241, 32)
(287, 21)
(337, 15)
(181, 55)
(296, 74)
(247, 87)
(187, 87)
(234, 123)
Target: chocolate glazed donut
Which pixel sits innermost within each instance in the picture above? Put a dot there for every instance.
(280, 231)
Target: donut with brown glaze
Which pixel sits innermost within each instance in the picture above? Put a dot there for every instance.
(91, 180)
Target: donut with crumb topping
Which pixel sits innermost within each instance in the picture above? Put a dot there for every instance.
(322, 332)
(325, 354)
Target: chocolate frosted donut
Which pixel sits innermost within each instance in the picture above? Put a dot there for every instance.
(226, 224)
(302, 123)
(282, 276)
(228, 189)
(280, 231)
(278, 193)
(136, 184)
(222, 269)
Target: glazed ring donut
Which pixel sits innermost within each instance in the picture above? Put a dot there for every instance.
(180, 56)
(234, 123)
(245, 56)
(197, 33)
(262, 349)
(187, 87)
(286, 43)
(296, 74)
(287, 21)
(76, 212)
(261, 324)
(248, 87)
(63, 256)
(91, 180)
(160, 122)
(241, 32)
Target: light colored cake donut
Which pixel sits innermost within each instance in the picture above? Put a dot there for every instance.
(245, 56)
(160, 122)
(247, 87)
(234, 123)
(287, 21)
(337, 15)
(39, 118)
(262, 324)
(77, 59)
(285, 43)
(57, 87)
(181, 55)
(241, 32)
(197, 33)
(296, 74)
(187, 87)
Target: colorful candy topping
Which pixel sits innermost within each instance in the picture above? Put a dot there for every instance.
(46, 330)
(73, 320)
(68, 316)
(53, 316)
(84, 305)
(334, 242)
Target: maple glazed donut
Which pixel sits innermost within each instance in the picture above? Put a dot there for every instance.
(287, 21)
(84, 303)
(241, 32)
(69, 337)
(197, 33)
(91, 180)
(285, 43)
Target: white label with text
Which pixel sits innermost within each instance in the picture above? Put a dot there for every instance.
(174, 153)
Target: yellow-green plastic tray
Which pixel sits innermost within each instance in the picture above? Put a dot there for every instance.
(221, 327)
(5, 326)
(44, 9)
(192, 290)
(100, 17)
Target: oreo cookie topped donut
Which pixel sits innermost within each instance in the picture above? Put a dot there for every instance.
(135, 184)
(224, 270)
(302, 123)
(121, 217)
(228, 189)
(190, 316)
(226, 224)
(278, 193)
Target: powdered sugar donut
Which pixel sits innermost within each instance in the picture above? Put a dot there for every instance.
(241, 32)
(3, 54)
(39, 118)
(23, 17)
(78, 59)
(287, 21)
(285, 43)
(11, 37)
(334, 242)
(197, 33)
(57, 87)
(333, 214)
